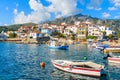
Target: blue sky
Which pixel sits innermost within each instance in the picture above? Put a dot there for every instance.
(24, 11)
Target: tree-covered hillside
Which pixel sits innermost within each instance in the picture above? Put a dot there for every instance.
(15, 27)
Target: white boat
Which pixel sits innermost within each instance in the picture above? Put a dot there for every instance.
(99, 46)
(114, 59)
(87, 68)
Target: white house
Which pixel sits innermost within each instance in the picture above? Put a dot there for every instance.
(2, 36)
(73, 29)
(93, 31)
(67, 31)
(47, 31)
(35, 34)
(109, 31)
(102, 28)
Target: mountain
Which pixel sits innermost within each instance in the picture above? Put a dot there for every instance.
(113, 23)
(72, 19)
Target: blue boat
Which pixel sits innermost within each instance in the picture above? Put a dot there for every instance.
(53, 45)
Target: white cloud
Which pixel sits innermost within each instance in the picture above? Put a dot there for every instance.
(117, 17)
(105, 15)
(15, 11)
(63, 7)
(38, 14)
(41, 13)
(112, 8)
(115, 2)
(94, 4)
(91, 7)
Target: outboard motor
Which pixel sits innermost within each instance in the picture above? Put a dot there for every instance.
(103, 75)
(108, 55)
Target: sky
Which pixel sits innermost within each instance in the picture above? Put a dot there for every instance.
(36, 11)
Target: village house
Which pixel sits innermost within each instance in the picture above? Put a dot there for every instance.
(93, 30)
(47, 31)
(3, 36)
(81, 31)
(35, 34)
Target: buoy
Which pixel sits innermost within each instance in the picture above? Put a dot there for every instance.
(85, 58)
(42, 64)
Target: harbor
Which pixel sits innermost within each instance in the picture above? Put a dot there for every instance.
(60, 40)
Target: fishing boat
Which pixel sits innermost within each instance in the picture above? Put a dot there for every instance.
(53, 45)
(115, 59)
(112, 58)
(86, 68)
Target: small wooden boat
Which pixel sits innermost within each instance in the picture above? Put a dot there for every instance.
(114, 59)
(80, 67)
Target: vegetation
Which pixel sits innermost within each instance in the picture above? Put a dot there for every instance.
(73, 37)
(14, 27)
(58, 34)
(118, 35)
(12, 35)
(91, 37)
(110, 36)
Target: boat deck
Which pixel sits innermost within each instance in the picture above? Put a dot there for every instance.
(89, 64)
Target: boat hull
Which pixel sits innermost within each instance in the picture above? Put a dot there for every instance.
(78, 70)
(59, 47)
(114, 60)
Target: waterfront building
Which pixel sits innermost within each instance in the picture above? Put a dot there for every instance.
(47, 31)
(35, 34)
(93, 30)
(82, 31)
(2, 36)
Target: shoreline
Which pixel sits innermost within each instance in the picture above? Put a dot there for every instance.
(34, 41)
(113, 43)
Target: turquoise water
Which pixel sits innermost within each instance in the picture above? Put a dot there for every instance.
(21, 61)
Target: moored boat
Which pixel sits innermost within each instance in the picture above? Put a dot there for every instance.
(112, 49)
(87, 68)
(59, 47)
(53, 45)
(114, 59)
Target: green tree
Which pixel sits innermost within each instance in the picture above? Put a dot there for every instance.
(118, 34)
(110, 36)
(12, 35)
(34, 28)
(91, 37)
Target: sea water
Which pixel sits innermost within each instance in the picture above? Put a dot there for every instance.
(22, 62)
